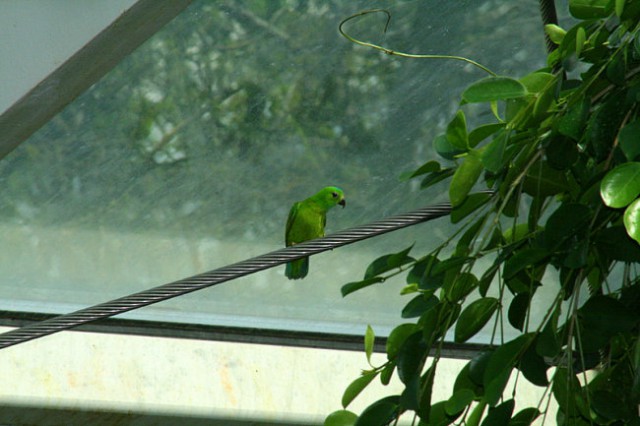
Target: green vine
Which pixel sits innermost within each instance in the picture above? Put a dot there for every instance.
(396, 53)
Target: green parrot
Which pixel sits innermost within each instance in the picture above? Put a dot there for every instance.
(306, 221)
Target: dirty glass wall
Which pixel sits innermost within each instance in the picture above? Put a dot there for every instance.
(188, 155)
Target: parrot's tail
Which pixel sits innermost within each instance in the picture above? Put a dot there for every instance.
(297, 269)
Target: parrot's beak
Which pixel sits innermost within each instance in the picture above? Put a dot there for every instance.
(342, 202)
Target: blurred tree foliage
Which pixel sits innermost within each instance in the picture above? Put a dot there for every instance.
(237, 107)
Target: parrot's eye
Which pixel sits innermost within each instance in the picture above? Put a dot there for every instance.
(334, 194)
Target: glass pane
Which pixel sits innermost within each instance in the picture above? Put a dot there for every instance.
(188, 155)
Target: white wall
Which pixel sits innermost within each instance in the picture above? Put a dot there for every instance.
(190, 377)
(38, 36)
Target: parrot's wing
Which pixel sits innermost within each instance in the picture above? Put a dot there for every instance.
(323, 223)
(290, 220)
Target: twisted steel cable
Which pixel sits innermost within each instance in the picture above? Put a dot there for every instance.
(549, 16)
(220, 275)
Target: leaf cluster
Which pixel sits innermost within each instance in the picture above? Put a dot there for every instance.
(561, 163)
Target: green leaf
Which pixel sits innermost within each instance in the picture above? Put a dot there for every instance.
(431, 280)
(581, 37)
(542, 180)
(518, 310)
(604, 124)
(562, 152)
(555, 33)
(410, 358)
(617, 70)
(397, 337)
(436, 177)
(572, 124)
(457, 132)
(438, 415)
(357, 285)
(449, 264)
(387, 373)
(409, 289)
(500, 364)
(465, 177)
(341, 418)
(632, 220)
(629, 140)
(426, 391)
(495, 388)
(380, 413)
(516, 233)
(548, 343)
(357, 386)
(463, 381)
(476, 414)
(616, 243)
(461, 286)
(478, 365)
(538, 81)
(494, 89)
(635, 364)
(525, 417)
(533, 367)
(517, 110)
(474, 317)
(578, 254)
(431, 323)
(506, 356)
(494, 241)
(523, 259)
(421, 267)
(369, 340)
(458, 401)
(422, 274)
(428, 167)
(554, 57)
(446, 149)
(601, 318)
(493, 154)
(409, 399)
(568, 221)
(566, 389)
(468, 206)
(419, 305)
(480, 133)
(567, 49)
(500, 415)
(487, 278)
(608, 405)
(590, 9)
(388, 262)
(621, 186)
(463, 245)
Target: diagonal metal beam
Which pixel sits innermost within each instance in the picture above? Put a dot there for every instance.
(84, 68)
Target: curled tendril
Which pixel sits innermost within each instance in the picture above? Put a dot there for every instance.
(401, 54)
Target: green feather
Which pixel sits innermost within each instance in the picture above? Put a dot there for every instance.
(306, 221)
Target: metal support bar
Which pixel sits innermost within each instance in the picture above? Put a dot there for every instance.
(220, 275)
(250, 335)
(84, 68)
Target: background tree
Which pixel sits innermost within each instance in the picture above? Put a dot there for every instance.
(230, 89)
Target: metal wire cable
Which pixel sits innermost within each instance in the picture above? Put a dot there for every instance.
(549, 16)
(220, 275)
